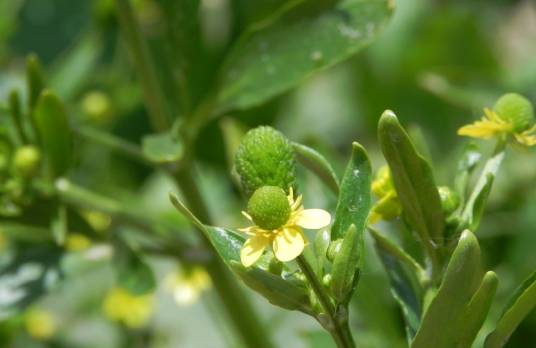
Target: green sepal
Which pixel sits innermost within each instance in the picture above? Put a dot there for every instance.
(518, 307)
(132, 273)
(414, 181)
(318, 164)
(354, 201)
(441, 323)
(346, 265)
(54, 133)
(162, 147)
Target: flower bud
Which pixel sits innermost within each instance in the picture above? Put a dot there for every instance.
(269, 207)
(333, 249)
(265, 158)
(27, 161)
(450, 200)
(515, 109)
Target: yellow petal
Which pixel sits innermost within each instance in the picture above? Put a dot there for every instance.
(525, 139)
(252, 249)
(288, 244)
(483, 129)
(313, 219)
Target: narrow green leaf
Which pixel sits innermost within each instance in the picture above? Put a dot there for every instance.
(413, 180)
(316, 163)
(477, 310)
(441, 323)
(354, 202)
(35, 80)
(162, 148)
(346, 264)
(54, 133)
(273, 58)
(520, 305)
(133, 274)
(276, 290)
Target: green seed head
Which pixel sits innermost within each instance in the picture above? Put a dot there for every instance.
(27, 161)
(515, 109)
(269, 207)
(265, 158)
(450, 200)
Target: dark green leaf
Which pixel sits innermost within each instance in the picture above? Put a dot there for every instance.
(354, 202)
(442, 322)
(54, 133)
(133, 274)
(520, 305)
(317, 164)
(274, 58)
(413, 180)
(162, 148)
(346, 264)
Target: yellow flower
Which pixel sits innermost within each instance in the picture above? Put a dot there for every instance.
(512, 117)
(188, 285)
(287, 240)
(130, 310)
(388, 205)
(40, 324)
(77, 242)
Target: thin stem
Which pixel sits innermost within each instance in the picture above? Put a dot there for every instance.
(154, 97)
(339, 329)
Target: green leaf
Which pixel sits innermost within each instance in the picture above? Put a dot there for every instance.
(346, 265)
(276, 290)
(162, 148)
(274, 58)
(477, 310)
(316, 163)
(414, 182)
(54, 133)
(474, 208)
(354, 202)
(520, 305)
(442, 323)
(35, 80)
(133, 274)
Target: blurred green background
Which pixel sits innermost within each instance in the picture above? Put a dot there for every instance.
(437, 64)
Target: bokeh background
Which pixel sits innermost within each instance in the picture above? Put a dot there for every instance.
(437, 64)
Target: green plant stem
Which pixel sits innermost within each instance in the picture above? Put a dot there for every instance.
(339, 329)
(154, 97)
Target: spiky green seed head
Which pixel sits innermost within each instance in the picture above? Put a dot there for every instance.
(450, 200)
(27, 161)
(269, 207)
(265, 158)
(515, 109)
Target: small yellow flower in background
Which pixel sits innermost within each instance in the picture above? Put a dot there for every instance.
(97, 106)
(512, 116)
(278, 220)
(99, 221)
(388, 206)
(40, 324)
(130, 310)
(188, 285)
(77, 242)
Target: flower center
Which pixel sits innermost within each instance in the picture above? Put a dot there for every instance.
(516, 110)
(269, 207)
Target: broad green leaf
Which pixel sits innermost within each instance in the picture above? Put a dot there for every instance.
(441, 324)
(474, 208)
(346, 265)
(133, 274)
(162, 148)
(354, 202)
(276, 290)
(413, 180)
(274, 58)
(477, 310)
(520, 305)
(35, 81)
(316, 163)
(404, 287)
(54, 133)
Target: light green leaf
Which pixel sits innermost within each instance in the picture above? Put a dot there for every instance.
(133, 274)
(477, 310)
(316, 163)
(354, 202)
(520, 305)
(274, 58)
(441, 323)
(346, 265)
(35, 80)
(414, 182)
(54, 133)
(162, 148)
